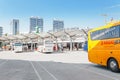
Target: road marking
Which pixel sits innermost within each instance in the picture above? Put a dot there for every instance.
(3, 62)
(48, 72)
(102, 74)
(98, 73)
(35, 70)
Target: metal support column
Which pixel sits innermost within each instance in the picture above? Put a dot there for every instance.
(31, 46)
(71, 48)
(4, 45)
(56, 44)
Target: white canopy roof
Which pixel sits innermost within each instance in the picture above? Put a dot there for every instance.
(63, 34)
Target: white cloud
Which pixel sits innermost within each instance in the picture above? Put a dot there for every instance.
(115, 6)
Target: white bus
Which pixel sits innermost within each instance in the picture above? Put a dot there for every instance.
(46, 46)
(18, 47)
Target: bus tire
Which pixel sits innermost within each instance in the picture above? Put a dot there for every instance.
(113, 65)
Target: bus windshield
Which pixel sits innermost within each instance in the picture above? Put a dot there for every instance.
(17, 44)
(48, 42)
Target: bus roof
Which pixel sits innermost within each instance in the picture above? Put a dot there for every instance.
(108, 25)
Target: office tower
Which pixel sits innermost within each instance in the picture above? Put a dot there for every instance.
(58, 25)
(1, 31)
(36, 23)
(15, 26)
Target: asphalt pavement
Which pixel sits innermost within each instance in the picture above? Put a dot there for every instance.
(50, 70)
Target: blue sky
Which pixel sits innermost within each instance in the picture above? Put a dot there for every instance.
(75, 13)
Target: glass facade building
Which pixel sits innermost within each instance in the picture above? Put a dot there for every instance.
(36, 22)
(1, 31)
(15, 24)
(58, 25)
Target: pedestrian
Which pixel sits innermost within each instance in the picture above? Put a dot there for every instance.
(68, 46)
(62, 47)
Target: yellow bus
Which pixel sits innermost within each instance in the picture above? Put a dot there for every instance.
(104, 46)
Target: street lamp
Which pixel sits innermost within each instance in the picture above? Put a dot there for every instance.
(105, 16)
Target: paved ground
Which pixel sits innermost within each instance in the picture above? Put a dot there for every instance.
(51, 69)
(65, 57)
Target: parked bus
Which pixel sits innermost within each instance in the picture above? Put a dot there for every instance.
(18, 47)
(104, 46)
(46, 46)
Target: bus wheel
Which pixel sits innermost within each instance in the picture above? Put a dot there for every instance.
(113, 65)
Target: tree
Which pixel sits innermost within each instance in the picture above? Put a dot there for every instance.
(37, 29)
(6, 34)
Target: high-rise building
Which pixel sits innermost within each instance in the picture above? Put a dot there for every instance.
(58, 25)
(36, 22)
(15, 26)
(1, 31)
